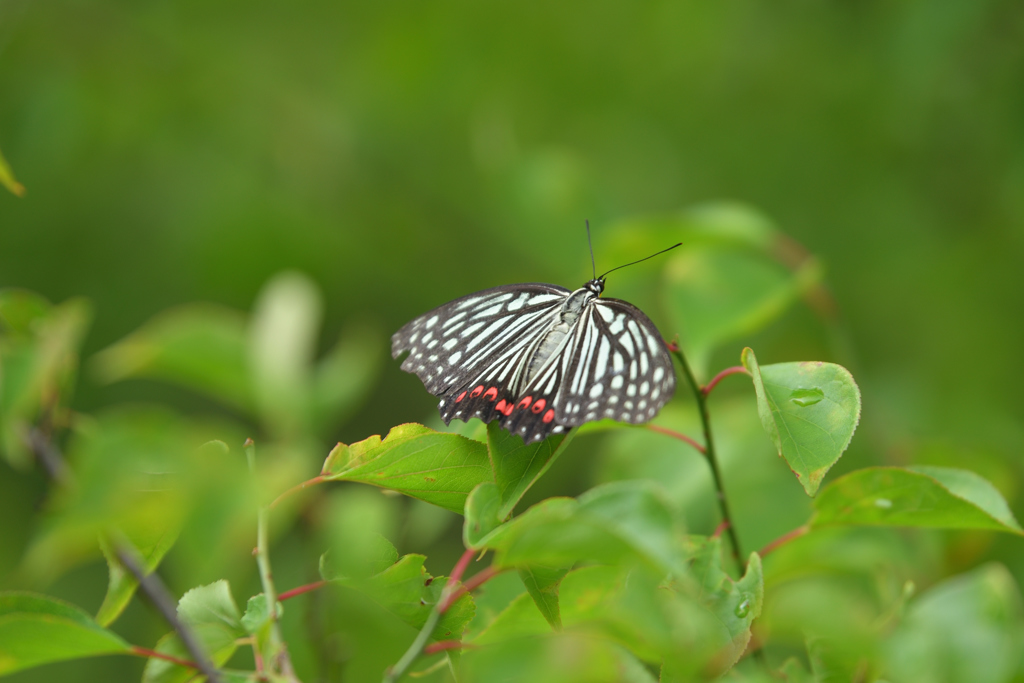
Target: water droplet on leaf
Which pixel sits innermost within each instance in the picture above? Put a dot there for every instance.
(806, 397)
(743, 609)
(883, 503)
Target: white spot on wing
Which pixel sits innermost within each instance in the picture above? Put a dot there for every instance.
(602, 358)
(471, 329)
(606, 313)
(659, 372)
(544, 298)
(454, 358)
(617, 382)
(432, 322)
(596, 390)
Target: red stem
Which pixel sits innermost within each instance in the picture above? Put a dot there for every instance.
(445, 645)
(300, 590)
(784, 539)
(145, 652)
(298, 487)
(676, 435)
(722, 526)
(734, 370)
(471, 584)
(460, 567)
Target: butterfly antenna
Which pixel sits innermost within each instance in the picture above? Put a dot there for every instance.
(593, 267)
(679, 244)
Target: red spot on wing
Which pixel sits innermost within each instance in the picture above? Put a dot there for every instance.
(491, 394)
(461, 396)
(525, 402)
(501, 406)
(548, 416)
(476, 392)
(508, 408)
(539, 406)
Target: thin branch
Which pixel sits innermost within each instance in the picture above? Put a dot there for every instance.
(442, 645)
(734, 370)
(147, 653)
(705, 418)
(300, 590)
(48, 456)
(677, 435)
(784, 539)
(470, 585)
(416, 648)
(165, 603)
(277, 643)
(298, 487)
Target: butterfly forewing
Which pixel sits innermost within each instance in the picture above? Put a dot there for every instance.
(481, 340)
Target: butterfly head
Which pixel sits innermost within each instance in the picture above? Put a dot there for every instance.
(596, 286)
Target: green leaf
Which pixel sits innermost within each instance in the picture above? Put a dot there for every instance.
(151, 546)
(542, 584)
(482, 507)
(717, 294)
(438, 468)
(936, 497)
(553, 658)
(343, 377)
(211, 614)
(8, 180)
(809, 410)
(282, 343)
(622, 521)
(36, 629)
(38, 364)
(409, 592)
(967, 629)
(519, 619)
(518, 465)
(734, 604)
(198, 346)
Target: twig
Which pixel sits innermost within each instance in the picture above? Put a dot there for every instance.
(56, 467)
(300, 590)
(442, 645)
(784, 539)
(709, 453)
(677, 435)
(147, 653)
(400, 667)
(165, 603)
(295, 489)
(48, 456)
(277, 643)
(470, 585)
(734, 370)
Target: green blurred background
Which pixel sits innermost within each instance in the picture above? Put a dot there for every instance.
(402, 154)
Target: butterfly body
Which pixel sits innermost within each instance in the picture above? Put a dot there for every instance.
(539, 358)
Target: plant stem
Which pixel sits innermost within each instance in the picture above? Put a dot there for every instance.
(784, 539)
(677, 435)
(734, 370)
(147, 653)
(709, 453)
(300, 590)
(277, 645)
(161, 598)
(295, 489)
(414, 651)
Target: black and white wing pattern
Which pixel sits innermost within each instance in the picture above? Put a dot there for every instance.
(620, 368)
(539, 358)
(481, 340)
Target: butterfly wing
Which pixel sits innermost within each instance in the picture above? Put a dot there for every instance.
(472, 351)
(617, 367)
(612, 364)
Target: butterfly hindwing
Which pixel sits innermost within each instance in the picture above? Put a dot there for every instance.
(618, 367)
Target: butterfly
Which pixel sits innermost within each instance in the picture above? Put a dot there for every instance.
(540, 358)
